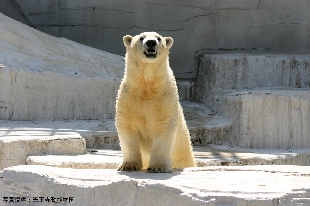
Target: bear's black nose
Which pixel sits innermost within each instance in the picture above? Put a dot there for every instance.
(151, 43)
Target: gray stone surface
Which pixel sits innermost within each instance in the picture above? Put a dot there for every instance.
(270, 118)
(264, 94)
(248, 185)
(48, 78)
(216, 155)
(94, 159)
(13, 10)
(2, 191)
(204, 125)
(209, 155)
(20, 139)
(238, 70)
(194, 25)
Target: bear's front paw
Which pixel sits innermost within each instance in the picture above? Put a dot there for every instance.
(159, 169)
(129, 166)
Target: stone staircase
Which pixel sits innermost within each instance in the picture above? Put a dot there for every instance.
(264, 94)
(58, 139)
(27, 138)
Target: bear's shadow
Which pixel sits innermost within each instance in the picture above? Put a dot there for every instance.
(153, 176)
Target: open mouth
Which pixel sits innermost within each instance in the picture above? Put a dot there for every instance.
(150, 53)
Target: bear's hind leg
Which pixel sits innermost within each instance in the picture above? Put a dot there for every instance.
(183, 152)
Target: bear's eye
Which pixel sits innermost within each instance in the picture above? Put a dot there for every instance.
(159, 39)
(141, 38)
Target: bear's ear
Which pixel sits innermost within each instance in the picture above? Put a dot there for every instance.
(127, 40)
(169, 42)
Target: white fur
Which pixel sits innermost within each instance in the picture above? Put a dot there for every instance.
(149, 119)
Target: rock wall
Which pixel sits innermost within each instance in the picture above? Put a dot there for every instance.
(236, 70)
(265, 95)
(194, 25)
(13, 10)
(46, 78)
(269, 118)
(210, 186)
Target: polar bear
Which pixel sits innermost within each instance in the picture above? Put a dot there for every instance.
(149, 118)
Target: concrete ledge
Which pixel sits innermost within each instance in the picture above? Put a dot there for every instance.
(246, 70)
(20, 139)
(101, 135)
(2, 190)
(185, 89)
(94, 159)
(210, 155)
(215, 155)
(249, 185)
(250, 69)
(204, 125)
(265, 94)
(267, 118)
(15, 152)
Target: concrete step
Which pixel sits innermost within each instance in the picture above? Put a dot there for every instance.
(244, 69)
(248, 185)
(25, 138)
(251, 69)
(204, 125)
(210, 155)
(265, 94)
(267, 118)
(21, 139)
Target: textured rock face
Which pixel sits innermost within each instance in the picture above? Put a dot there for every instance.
(2, 191)
(20, 139)
(253, 186)
(265, 95)
(236, 70)
(270, 118)
(229, 24)
(43, 77)
(210, 155)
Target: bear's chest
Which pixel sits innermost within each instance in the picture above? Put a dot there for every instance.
(148, 90)
(147, 109)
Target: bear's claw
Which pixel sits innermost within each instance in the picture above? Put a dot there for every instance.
(158, 170)
(128, 167)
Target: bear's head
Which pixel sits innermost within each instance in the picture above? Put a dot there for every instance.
(148, 46)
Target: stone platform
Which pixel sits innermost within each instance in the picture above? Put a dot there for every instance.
(265, 94)
(212, 186)
(20, 139)
(269, 117)
(209, 155)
